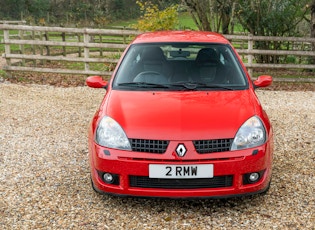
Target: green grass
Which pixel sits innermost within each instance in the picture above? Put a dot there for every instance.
(121, 24)
(2, 73)
(186, 22)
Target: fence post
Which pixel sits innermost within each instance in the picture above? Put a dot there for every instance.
(86, 51)
(79, 48)
(101, 41)
(21, 35)
(33, 46)
(250, 56)
(47, 47)
(41, 48)
(64, 52)
(7, 49)
(124, 37)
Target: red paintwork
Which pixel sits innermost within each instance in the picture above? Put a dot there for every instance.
(96, 82)
(181, 36)
(181, 116)
(263, 81)
(175, 113)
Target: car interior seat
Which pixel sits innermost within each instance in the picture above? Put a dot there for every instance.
(154, 60)
(208, 66)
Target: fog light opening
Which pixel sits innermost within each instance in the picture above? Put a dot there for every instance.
(108, 178)
(253, 177)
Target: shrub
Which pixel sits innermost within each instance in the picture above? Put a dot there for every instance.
(153, 19)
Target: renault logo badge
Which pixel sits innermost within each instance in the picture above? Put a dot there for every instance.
(181, 150)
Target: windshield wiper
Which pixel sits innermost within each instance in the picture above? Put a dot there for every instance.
(144, 85)
(198, 85)
(183, 85)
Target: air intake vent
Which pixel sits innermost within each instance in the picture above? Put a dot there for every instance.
(149, 146)
(215, 182)
(213, 146)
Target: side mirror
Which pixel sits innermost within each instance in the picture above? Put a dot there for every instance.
(96, 82)
(263, 81)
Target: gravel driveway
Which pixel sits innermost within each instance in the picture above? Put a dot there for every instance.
(44, 173)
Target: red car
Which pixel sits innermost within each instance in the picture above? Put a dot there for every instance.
(180, 119)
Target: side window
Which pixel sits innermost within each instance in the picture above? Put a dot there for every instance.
(138, 58)
(222, 59)
(126, 71)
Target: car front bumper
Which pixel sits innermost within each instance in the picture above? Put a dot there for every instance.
(230, 172)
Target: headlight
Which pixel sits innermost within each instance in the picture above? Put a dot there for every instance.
(110, 134)
(251, 134)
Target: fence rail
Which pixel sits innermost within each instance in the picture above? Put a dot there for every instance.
(296, 52)
(13, 22)
(40, 45)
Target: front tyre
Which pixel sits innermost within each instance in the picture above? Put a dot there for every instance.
(96, 189)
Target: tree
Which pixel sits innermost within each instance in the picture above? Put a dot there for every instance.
(312, 23)
(271, 17)
(258, 17)
(200, 13)
(153, 18)
(69, 11)
(211, 15)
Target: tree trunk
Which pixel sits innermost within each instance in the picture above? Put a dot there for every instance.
(313, 27)
(198, 10)
(226, 19)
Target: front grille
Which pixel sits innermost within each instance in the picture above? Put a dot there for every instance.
(215, 182)
(149, 146)
(212, 146)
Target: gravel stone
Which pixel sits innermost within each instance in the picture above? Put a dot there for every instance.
(44, 171)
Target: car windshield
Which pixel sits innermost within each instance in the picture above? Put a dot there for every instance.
(180, 66)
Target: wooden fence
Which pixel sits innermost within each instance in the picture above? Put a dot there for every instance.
(85, 51)
(13, 22)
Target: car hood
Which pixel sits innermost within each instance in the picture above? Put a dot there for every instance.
(191, 115)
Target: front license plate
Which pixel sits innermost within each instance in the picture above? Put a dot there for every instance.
(181, 171)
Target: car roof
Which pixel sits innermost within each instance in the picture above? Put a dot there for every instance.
(180, 36)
